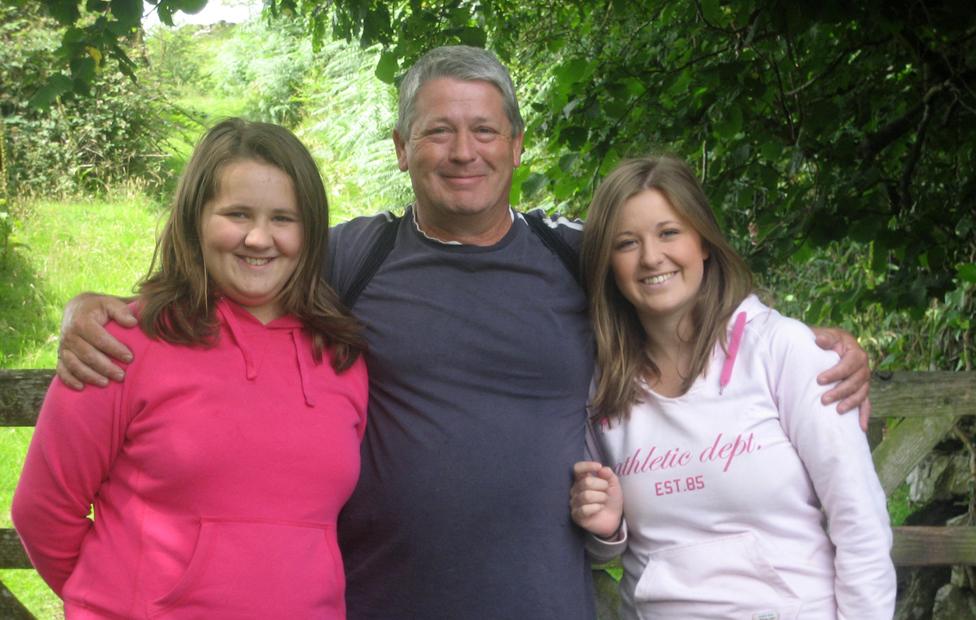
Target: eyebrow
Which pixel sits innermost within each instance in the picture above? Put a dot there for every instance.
(658, 225)
(244, 205)
(450, 121)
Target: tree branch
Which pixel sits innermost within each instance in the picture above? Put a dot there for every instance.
(913, 156)
(877, 142)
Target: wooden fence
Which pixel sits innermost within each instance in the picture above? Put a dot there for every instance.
(930, 403)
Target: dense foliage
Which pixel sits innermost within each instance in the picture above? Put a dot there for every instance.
(75, 144)
(810, 122)
(823, 131)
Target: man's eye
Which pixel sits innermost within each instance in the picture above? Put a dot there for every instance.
(485, 133)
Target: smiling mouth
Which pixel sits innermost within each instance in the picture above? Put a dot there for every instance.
(659, 279)
(463, 180)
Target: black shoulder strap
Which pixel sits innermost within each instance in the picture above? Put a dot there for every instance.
(556, 244)
(384, 245)
(377, 254)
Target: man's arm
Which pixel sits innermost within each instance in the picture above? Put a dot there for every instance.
(852, 373)
(86, 352)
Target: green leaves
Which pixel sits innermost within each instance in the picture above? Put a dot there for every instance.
(386, 68)
(65, 11)
(191, 7)
(967, 272)
(713, 13)
(127, 13)
(92, 35)
(470, 35)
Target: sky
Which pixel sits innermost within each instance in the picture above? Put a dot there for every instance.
(235, 11)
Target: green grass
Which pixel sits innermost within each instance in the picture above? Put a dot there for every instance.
(63, 249)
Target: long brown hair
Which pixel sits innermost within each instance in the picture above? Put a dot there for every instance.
(177, 297)
(622, 357)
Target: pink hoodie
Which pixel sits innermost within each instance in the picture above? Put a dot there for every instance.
(216, 476)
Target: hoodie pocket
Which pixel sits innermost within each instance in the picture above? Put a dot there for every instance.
(723, 578)
(258, 569)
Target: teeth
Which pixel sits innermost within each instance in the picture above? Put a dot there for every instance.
(256, 261)
(664, 277)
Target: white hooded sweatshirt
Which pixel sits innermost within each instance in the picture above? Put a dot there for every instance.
(746, 497)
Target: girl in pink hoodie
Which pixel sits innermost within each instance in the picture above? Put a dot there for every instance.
(742, 496)
(217, 469)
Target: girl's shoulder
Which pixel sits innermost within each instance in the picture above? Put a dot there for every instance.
(133, 338)
(780, 336)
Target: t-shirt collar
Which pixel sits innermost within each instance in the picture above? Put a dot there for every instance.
(413, 215)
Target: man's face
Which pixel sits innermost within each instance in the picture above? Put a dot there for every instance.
(460, 152)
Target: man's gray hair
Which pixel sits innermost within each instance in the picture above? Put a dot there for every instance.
(460, 62)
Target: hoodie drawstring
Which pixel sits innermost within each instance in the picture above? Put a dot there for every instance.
(250, 368)
(302, 368)
(250, 371)
(734, 341)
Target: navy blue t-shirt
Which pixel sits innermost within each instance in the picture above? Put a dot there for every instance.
(479, 362)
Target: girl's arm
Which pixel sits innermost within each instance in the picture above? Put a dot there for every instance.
(835, 453)
(77, 437)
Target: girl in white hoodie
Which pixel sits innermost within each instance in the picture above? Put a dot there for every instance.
(742, 496)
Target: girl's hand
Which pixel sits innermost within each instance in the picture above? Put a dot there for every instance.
(596, 501)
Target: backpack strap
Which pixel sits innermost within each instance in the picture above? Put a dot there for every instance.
(556, 244)
(387, 238)
(377, 254)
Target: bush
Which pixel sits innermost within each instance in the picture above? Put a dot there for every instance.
(79, 144)
(820, 289)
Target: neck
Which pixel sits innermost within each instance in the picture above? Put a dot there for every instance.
(667, 330)
(668, 342)
(482, 229)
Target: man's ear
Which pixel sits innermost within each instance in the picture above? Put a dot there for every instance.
(517, 142)
(401, 150)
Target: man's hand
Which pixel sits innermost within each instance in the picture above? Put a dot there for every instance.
(596, 501)
(852, 373)
(85, 348)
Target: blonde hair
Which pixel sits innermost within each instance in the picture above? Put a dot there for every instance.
(177, 297)
(622, 358)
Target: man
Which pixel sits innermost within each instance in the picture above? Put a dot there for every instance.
(480, 357)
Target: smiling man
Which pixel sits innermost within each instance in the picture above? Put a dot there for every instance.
(480, 357)
(460, 149)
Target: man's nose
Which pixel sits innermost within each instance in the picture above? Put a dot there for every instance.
(462, 147)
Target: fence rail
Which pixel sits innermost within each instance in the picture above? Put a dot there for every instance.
(928, 403)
